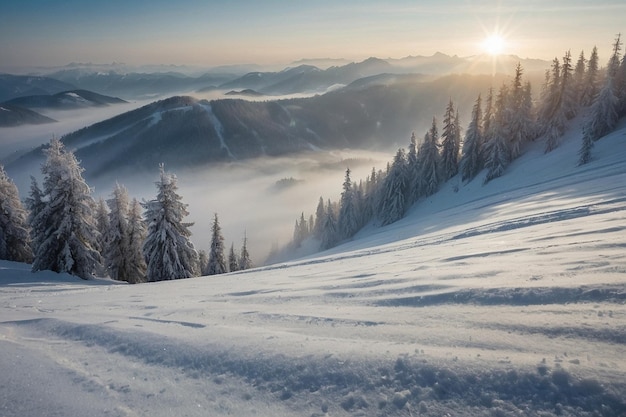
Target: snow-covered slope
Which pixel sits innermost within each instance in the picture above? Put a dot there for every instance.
(499, 300)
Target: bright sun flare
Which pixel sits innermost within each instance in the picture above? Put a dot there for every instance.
(494, 44)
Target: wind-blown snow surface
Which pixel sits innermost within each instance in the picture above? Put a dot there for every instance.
(499, 300)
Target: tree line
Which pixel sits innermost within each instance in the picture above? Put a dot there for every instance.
(500, 127)
(61, 228)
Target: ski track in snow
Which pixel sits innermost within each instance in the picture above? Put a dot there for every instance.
(502, 300)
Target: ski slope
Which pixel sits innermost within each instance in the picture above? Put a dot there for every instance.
(507, 299)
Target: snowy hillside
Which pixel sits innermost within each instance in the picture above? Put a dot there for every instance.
(507, 299)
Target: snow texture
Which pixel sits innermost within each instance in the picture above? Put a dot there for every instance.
(506, 299)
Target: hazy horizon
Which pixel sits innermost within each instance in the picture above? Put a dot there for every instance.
(37, 33)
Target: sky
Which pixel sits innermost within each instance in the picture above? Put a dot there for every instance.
(212, 33)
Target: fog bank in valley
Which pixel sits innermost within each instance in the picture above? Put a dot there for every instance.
(260, 198)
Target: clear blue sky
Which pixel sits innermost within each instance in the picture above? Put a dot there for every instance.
(216, 32)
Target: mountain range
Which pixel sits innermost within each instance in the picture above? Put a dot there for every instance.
(303, 76)
(375, 113)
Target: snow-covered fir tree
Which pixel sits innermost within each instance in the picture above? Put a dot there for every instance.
(330, 233)
(497, 152)
(103, 225)
(450, 143)
(34, 204)
(579, 78)
(14, 229)
(413, 171)
(604, 112)
(394, 199)
(116, 236)
(217, 254)
(429, 162)
(348, 221)
(471, 160)
(203, 259)
(590, 89)
(244, 258)
(300, 231)
(65, 230)
(136, 237)
(584, 154)
(320, 213)
(519, 129)
(168, 252)
(233, 260)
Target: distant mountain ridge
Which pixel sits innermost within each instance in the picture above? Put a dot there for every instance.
(305, 76)
(13, 86)
(70, 99)
(11, 115)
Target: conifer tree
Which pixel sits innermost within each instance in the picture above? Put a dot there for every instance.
(34, 204)
(14, 229)
(429, 162)
(590, 89)
(102, 224)
(329, 229)
(579, 78)
(604, 112)
(65, 230)
(233, 262)
(320, 213)
(450, 144)
(168, 252)
(471, 161)
(348, 220)
(244, 259)
(584, 154)
(394, 199)
(217, 261)
(136, 237)
(497, 149)
(203, 260)
(413, 171)
(116, 234)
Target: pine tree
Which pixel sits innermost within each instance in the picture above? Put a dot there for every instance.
(412, 172)
(604, 112)
(14, 230)
(471, 161)
(497, 149)
(34, 205)
(429, 162)
(233, 262)
(217, 261)
(394, 200)
(136, 237)
(168, 252)
(568, 88)
(320, 213)
(584, 154)
(518, 110)
(65, 230)
(579, 78)
(329, 229)
(203, 259)
(348, 220)
(116, 236)
(103, 226)
(450, 144)
(590, 89)
(244, 259)
(555, 111)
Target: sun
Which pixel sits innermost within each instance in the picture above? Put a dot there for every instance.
(494, 44)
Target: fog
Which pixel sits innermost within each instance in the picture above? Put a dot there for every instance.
(18, 139)
(247, 197)
(244, 194)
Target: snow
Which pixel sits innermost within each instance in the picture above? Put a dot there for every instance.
(219, 128)
(506, 299)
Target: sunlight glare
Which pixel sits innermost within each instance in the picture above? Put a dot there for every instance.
(494, 44)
